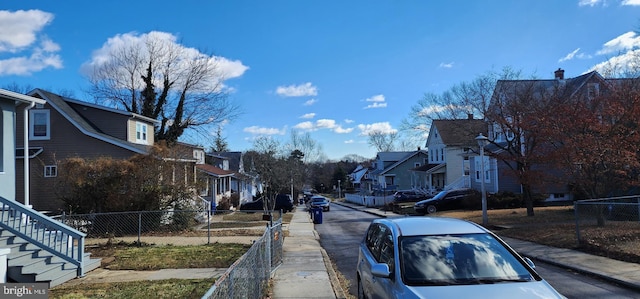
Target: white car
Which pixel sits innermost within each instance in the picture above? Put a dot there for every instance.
(439, 257)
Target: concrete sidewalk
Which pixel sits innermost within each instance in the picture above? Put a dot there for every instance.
(306, 271)
(624, 273)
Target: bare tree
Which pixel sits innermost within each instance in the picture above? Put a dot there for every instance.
(383, 141)
(310, 148)
(460, 101)
(179, 87)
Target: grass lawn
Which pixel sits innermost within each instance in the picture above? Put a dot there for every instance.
(555, 226)
(171, 288)
(131, 256)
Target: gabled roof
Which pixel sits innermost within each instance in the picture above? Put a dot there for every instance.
(60, 104)
(536, 88)
(234, 159)
(391, 156)
(407, 157)
(214, 171)
(459, 132)
(358, 173)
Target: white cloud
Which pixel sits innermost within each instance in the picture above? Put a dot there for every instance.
(382, 127)
(575, 54)
(20, 36)
(226, 68)
(350, 141)
(377, 98)
(589, 2)
(619, 64)
(624, 42)
(310, 102)
(446, 65)
(376, 105)
(306, 89)
(319, 124)
(308, 115)
(378, 101)
(264, 131)
(348, 121)
(631, 2)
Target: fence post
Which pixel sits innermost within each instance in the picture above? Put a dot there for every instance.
(270, 232)
(208, 227)
(139, 227)
(576, 215)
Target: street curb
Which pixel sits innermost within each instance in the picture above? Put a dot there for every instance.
(333, 277)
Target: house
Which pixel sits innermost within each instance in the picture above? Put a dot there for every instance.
(357, 176)
(63, 128)
(38, 249)
(450, 144)
(391, 170)
(580, 88)
(244, 181)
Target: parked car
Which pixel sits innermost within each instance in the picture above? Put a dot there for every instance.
(440, 257)
(318, 201)
(409, 196)
(445, 200)
(281, 203)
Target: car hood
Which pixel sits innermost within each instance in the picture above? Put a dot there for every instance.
(520, 290)
(425, 201)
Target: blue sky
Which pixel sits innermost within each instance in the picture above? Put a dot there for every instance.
(335, 69)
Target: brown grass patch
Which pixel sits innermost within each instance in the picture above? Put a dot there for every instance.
(556, 226)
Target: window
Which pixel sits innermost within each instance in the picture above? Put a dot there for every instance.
(39, 127)
(478, 170)
(593, 90)
(50, 171)
(416, 165)
(141, 132)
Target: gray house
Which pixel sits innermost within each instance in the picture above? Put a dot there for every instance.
(62, 128)
(40, 249)
(450, 144)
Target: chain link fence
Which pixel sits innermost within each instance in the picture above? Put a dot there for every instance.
(601, 220)
(249, 276)
(184, 227)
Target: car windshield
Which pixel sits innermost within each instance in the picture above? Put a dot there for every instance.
(458, 259)
(318, 199)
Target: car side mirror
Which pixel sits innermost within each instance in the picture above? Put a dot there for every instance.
(530, 262)
(381, 270)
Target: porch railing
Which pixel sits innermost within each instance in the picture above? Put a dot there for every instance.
(41, 230)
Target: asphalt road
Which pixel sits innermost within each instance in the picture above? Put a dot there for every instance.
(343, 228)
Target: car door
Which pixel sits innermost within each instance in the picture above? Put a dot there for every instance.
(385, 287)
(366, 258)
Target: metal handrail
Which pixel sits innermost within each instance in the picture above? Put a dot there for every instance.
(48, 234)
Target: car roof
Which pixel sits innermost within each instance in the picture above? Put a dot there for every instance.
(418, 226)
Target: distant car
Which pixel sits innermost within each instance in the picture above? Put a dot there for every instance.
(318, 201)
(282, 203)
(409, 196)
(444, 200)
(440, 257)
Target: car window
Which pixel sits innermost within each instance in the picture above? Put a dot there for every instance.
(386, 250)
(377, 241)
(458, 259)
(371, 235)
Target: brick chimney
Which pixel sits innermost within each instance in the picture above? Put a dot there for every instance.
(559, 74)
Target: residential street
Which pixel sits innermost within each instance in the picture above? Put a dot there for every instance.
(343, 228)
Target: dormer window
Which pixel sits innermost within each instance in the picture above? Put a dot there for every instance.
(141, 133)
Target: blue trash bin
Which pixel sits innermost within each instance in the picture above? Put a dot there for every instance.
(317, 215)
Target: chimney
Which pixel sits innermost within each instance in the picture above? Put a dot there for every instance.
(559, 74)
(469, 115)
